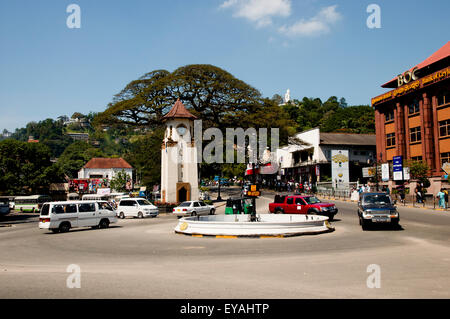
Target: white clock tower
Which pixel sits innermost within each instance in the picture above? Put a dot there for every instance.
(179, 174)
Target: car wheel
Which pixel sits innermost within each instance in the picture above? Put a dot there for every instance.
(122, 215)
(312, 212)
(193, 214)
(55, 230)
(278, 211)
(363, 223)
(212, 212)
(140, 215)
(395, 224)
(64, 227)
(104, 223)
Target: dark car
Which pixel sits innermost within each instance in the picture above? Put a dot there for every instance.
(377, 208)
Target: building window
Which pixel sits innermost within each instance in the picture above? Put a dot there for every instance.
(413, 108)
(444, 128)
(416, 158)
(443, 98)
(389, 116)
(415, 134)
(390, 139)
(445, 158)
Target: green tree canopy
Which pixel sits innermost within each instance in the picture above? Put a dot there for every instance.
(75, 156)
(119, 181)
(145, 156)
(25, 168)
(48, 132)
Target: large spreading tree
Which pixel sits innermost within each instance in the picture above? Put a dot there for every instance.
(209, 92)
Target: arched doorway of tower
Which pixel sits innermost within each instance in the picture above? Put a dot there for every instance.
(183, 192)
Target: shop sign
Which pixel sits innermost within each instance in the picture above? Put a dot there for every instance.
(397, 168)
(339, 166)
(385, 172)
(406, 175)
(408, 82)
(446, 168)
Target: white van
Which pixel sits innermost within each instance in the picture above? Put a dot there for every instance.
(136, 207)
(95, 197)
(62, 216)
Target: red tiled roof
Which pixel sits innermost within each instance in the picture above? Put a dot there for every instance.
(440, 54)
(178, 110)
(98, 162)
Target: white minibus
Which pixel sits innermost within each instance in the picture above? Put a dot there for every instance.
(62, 216)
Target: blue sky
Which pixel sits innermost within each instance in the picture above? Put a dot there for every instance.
(316, 48)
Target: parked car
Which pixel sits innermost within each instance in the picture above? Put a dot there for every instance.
(136, 207)
(193, 208)
(377, 208)
(62, 216)
(5, 206)
(299, 204)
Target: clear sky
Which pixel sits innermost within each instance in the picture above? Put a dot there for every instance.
(316, 48)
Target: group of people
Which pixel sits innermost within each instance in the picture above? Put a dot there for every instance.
(292, 186)
(419, 193)
(363, 188)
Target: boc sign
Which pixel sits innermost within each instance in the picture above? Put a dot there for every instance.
(406, 77)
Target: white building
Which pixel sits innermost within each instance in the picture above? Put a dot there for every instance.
(308, 157)
(105, 168)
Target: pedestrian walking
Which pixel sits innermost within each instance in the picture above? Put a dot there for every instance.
(402, 194)
(418, 193)
(441, 197)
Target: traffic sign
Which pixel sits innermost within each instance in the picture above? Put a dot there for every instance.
(446, 167)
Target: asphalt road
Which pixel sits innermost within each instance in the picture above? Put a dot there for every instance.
(146, 259)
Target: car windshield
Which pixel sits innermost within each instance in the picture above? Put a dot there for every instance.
(185, 204)
(379, 199)
(311, 200)
(143, 202)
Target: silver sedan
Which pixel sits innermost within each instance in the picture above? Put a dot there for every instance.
(193, 208)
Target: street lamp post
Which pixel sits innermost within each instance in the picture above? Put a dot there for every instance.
(253, 213)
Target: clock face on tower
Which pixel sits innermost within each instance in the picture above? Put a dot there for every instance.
(181, 130)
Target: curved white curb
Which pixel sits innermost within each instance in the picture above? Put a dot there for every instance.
(282, 225)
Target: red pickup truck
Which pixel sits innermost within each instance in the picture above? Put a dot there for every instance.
(299, 204)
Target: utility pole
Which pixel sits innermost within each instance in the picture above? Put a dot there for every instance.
(218, 190)
(253, 213)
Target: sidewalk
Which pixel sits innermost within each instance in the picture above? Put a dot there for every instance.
(429, 206)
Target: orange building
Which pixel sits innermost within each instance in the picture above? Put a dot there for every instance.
(413, 119)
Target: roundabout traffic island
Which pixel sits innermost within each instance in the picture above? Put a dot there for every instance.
(265, 226)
